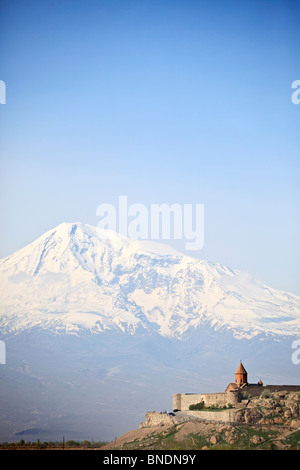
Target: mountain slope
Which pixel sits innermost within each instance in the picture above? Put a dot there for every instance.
(77, 277)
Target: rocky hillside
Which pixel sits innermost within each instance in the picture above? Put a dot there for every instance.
(276, 408)
(268, 422)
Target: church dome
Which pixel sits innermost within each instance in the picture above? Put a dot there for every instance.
(241, 369)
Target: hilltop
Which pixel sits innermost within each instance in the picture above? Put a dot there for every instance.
(266, 422)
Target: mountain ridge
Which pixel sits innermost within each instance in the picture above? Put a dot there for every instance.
(76, 277)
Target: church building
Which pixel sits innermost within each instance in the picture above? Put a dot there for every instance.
(241, 380)
(241, 375)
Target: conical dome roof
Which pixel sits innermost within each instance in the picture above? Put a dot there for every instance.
(241, 369)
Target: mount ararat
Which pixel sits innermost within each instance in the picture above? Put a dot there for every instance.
(78, 277)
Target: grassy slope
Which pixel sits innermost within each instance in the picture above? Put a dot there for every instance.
(244, 438)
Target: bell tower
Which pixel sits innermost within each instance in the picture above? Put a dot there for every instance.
(241, 375)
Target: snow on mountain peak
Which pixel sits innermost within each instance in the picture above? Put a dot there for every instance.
(77, 276)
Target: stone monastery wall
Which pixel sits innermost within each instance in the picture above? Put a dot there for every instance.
(184, 400)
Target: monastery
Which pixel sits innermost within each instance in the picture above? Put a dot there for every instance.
(233, 394)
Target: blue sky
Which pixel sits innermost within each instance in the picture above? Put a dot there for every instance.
(162, 101)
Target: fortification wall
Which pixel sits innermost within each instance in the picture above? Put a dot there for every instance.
(225, 416)
(183, 401)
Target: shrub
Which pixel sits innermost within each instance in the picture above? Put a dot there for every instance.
(266, 394)
(72, 443)
(214, 407)
(86, 443)
(197, 406)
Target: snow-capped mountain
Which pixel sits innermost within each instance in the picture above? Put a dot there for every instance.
(77, 277)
